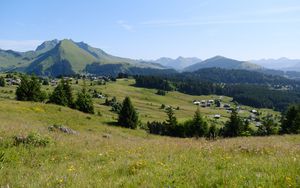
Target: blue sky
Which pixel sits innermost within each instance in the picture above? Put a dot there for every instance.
(149, 29)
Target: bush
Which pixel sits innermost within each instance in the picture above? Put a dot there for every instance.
(156, 127)
(161, 92)
(212, 132)
(33, 139)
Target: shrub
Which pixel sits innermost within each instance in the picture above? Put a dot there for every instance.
(161, 92)
(212, 132)
(32, 139)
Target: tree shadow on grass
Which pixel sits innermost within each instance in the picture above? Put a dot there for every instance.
(113, 123)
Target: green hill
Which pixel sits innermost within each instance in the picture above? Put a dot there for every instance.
(104, 155)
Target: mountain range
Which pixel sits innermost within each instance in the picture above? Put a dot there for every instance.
(179, 63)
(283, 64)
(66, 57)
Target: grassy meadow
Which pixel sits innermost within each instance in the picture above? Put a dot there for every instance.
(102, 155)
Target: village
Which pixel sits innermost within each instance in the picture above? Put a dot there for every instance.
(217, 103)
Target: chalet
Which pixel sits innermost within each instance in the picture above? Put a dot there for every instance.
(211, 101)
(254, 111)
(12, 81)
(196, 102)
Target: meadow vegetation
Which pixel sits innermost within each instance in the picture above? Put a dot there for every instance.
(102, 154)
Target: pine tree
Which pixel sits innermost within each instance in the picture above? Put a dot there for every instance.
(84, 102)
(268, 127)
(172, 120)
(128, 116)
(62, 94)
(199, 126)
(291, 121)
(212, 132)
(2, 81)
(171, 124)
(234, 126)
(30, 89)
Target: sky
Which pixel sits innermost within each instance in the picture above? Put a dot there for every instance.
(149, 29)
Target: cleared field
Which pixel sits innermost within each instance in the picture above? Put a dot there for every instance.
(108, 156)
(133, 158)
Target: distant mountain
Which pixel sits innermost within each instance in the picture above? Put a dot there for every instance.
(66, 57)
(179, 63)
(279, 64)
(223, 62)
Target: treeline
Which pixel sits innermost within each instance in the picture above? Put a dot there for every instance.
(30, 90)
(255, 95)
(234, 127)
(218, 75)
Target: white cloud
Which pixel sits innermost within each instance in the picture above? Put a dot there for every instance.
(19, 45)
(125, 25)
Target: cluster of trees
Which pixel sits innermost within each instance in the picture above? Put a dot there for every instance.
(291, 120)
(154, 82)
(234, 127)
(256, 95)
(115, 105)
(63, 95)
(197, 127)
(234, 76)
(30, 90)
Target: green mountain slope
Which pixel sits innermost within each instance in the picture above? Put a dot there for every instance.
(223, 62)
(65, 57)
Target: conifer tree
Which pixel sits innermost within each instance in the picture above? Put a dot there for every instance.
(62, 94)
(291, 121)
(234, 126)
(128, 116)
(2, 81)
(199, 125)
(84, 102)
(30, 89)
(172, 120)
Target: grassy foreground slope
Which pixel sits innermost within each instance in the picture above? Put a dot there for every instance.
(133, 158)
(109, 156)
